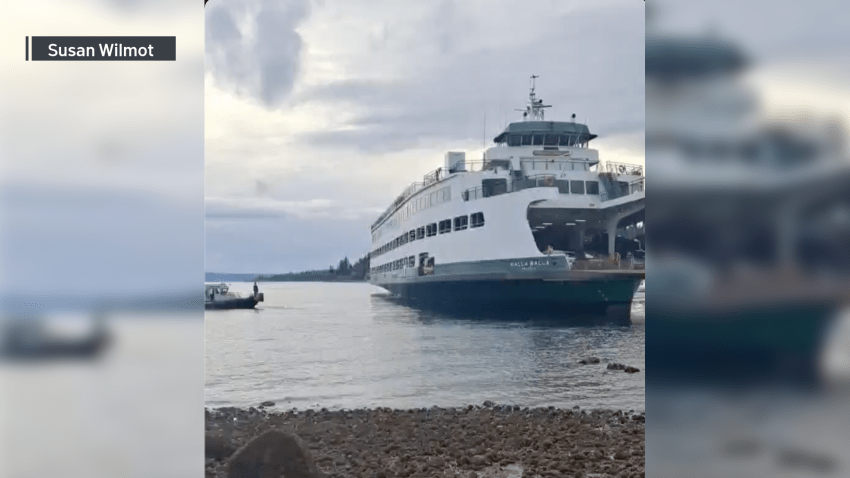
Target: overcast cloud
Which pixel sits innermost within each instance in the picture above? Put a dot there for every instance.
(318, 115)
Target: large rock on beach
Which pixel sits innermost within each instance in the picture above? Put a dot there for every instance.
(217, 446)
(274, 454)
(625, 368)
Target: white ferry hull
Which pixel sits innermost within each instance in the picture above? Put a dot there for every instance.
(498, 235)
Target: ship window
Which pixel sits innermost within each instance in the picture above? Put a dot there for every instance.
(420, 233)
(565, 140)
(461, 222)
(411, 261)
(477, 219)
(592, 187)
(411, 235)
(431, 230)
(577, 187)
(551, 140)
(447, 195)
(526, 139)
(514, 140)
(423, 258)
(434, 198)
(446, 226)
(538, 139)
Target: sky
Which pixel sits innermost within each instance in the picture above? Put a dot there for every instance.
(101, 177)
(318, 114)
(797, 51)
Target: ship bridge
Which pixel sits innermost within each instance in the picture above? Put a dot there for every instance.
(545, 133)
(534, 130)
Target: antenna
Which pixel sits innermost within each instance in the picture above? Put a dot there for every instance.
(535, 105)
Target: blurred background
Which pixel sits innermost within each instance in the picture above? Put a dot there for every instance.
(748, 330)
(101, 246)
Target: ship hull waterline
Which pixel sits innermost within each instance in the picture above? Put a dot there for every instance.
(754, 344)
(528, 294)
(240, 303)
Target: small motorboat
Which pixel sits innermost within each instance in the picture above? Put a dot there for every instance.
(219, 296)
(30, 338)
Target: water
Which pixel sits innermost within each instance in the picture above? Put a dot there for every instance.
(312, 345)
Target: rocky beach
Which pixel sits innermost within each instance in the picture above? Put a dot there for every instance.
(489, 440)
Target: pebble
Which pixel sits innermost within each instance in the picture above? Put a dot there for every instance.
(472, 441)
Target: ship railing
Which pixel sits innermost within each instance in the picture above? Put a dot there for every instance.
(477, 165)
(431, 178)
(463, 167)
(624, 168)
(408, 191)
(635, 186)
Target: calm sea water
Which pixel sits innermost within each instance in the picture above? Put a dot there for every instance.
(331, 345)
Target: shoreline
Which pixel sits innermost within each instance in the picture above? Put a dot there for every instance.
(489, 440)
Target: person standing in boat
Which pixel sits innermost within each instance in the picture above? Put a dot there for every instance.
(256, 289)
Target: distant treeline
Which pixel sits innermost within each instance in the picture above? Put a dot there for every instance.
(344, 271)
(226, 277)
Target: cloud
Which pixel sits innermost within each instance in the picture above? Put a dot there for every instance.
(256, 208)
(590, 62)
(284, 244)
(253, 48)
(383, 89)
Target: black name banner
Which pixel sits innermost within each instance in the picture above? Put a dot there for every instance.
(103, 48)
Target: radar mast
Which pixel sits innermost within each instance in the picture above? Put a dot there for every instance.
(534, 110)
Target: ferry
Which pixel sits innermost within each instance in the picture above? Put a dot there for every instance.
(750, 261)
(539, 221)
(219, 296)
